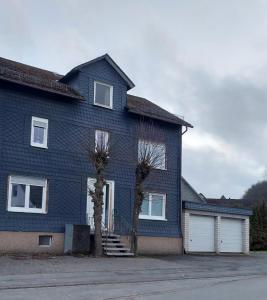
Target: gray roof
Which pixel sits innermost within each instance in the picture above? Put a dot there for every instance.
(144, 107)
(18, 73)
(130, 84)
(226, 202)
(216, 208)
(189, 194)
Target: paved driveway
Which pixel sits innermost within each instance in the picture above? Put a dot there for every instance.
(187, 277)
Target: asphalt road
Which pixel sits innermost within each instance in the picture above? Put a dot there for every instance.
(185, 278)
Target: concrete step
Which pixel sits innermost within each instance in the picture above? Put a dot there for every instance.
(117, 244)
(119, 254)
(108, 249)
(110, 235)
(108, 240)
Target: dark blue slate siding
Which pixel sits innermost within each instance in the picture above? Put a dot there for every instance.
(65, 163)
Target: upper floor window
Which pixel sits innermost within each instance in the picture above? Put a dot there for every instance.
(153, 207)
(27, 194)
(101, 140)
(103, 94)
(153, 152)
(39, 132)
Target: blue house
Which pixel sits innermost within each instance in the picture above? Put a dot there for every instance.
(47, 124)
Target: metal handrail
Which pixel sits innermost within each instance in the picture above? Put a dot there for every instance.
(122, 224)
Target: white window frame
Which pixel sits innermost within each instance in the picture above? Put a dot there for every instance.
(45, 126)
(156, 144)
(151, 217)
(110, 98)
(106, 136)
(50, 240)
(27, 181)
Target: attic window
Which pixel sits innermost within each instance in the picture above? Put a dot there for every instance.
(103, 94)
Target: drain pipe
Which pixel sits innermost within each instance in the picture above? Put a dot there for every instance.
(180, 192)
(186, 129)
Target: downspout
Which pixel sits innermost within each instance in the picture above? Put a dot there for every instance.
(186, 128)
(180, 194)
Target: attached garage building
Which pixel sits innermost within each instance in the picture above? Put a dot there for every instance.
(211, 228)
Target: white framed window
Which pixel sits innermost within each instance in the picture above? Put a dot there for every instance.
(154, 152)
(27, 194)
(103, 94)
(153, 207)
(45, 240)
(39, 132)
(101, 139)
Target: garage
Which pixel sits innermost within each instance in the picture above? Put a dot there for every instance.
(210, 227)
(201, 233)
(215, 229)
(231, 235)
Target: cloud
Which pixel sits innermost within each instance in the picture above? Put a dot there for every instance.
(204, 60)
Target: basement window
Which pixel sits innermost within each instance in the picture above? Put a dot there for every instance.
(45, 240)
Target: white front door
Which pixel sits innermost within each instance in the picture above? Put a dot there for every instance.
(231, 235)
(201, 234)
(108, 206)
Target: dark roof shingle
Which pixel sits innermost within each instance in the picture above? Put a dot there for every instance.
(144, 107)
(26, 75)
(48, 81)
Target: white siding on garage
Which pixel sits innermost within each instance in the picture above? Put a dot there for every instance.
(231, 235)
(201, 233)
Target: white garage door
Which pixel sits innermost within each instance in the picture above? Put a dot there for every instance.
(201, 234)
(231, 235)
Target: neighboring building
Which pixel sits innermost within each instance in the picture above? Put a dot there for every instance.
(229, 202)
(208, 227)
(47, 124)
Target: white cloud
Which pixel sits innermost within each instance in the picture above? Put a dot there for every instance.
(205, 60)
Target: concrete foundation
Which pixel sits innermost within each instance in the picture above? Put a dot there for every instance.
(148, 245)
(28, 242)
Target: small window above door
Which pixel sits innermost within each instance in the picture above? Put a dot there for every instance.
(103, 94)
(39, 132)
(101, 140)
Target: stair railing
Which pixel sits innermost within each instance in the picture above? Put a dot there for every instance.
(122, 225)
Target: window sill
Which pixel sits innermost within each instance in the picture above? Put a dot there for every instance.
(39, 146)
(152, 218)
(30, 211)
(104, 106)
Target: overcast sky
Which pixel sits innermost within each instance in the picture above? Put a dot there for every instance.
(203, 60)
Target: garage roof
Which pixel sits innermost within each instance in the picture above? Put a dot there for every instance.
(216, 209)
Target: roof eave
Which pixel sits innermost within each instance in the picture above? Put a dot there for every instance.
(181, 123)
(81, 98)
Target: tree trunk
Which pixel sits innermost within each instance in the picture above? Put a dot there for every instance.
(97, 197)
(136, 210)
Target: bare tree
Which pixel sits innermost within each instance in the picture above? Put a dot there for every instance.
(150, 156)
(99, 157)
